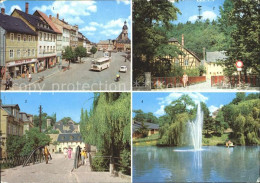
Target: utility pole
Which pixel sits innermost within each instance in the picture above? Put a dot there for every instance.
(40, 119)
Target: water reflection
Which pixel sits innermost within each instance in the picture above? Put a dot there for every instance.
(211, 164)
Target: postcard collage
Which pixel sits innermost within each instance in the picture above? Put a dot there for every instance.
(129, 91)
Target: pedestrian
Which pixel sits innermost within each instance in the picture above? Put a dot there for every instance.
(46, 154)
(30, 77)
(185, 79)
(7, 83)
(65, 152)
(82, 157)
(69, 152)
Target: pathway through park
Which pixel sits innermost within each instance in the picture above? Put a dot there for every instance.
(58, 170)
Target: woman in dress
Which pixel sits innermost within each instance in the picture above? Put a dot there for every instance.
(69, 152)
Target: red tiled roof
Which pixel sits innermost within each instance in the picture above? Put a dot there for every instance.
(48, 20)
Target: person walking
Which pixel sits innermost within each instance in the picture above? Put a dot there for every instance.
(82, 157)
(65, 152)
(30, 77)
(46, 154)
(69, 152)
(185, 79)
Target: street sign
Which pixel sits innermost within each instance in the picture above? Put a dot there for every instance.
(239, 69)
(239, 64)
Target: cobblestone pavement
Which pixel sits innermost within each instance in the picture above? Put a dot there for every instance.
(58, 170)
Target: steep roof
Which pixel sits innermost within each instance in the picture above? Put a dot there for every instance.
(215, 56)
(70, 137)
(15, 25)
(191, 52)
(48, 20)
(71, 124)
(34, 21)
(137, 125)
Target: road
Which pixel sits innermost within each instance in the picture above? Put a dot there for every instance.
(80, 78)
(206, 87)
(57, 171)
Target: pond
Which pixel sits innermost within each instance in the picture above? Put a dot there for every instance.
(183, 164)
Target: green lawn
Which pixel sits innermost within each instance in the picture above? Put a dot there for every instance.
(147, 141)
(214, 140)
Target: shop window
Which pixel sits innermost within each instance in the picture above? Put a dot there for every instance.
(18, 53)
(29, 38)
(24, 38)
(12, 36)
(11, 55)
(19, 37)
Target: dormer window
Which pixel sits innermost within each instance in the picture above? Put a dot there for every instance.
(71, 137)
(12, 36)
(19, 37)
(24, 38)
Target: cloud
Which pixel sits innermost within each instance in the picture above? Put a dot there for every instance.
(14, 7)
(71, 11)
(205, 15)
(160, 111)
(213, 108)
(110, 32)
(88, 28)
(126, 2)
(195, 96)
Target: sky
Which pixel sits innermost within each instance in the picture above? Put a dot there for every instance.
(189, 10)
(64, 104)
(156, 101)
(97, 20)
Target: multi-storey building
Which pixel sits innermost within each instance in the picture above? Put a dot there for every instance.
(18, 46)
(46, 40)
(187, 60)
(80, 39)
(211, 63)
(11, 124)
(74, 36)
(27, 121)
(63, 40)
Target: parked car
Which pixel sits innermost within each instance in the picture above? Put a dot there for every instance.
(123, 69)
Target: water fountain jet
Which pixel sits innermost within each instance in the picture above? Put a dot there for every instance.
(195, 129)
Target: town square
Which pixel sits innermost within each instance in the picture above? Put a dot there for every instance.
(46, 49)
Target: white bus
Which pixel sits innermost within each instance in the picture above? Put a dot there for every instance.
(100, 64)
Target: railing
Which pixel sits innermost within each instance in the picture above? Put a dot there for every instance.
(170, 82)
(33, 157)
(233, 81)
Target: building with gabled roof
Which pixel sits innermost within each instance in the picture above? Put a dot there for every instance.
(18, 46)
(187, 60)
(152, 128)
(47, 37)
(71, 127)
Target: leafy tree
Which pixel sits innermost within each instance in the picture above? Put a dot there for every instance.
(240, 96)
(69, 54)
(34, 139)
(80, 52)
(151, 21)
(244, 42)
(65, 120)
(143, 130)
(93, 50)
(108, 124)
(140, 116)
(14, 145)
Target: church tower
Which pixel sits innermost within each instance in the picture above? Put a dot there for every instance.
(125, 32)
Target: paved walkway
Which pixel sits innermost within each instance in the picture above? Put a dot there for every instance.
(57, 171)
(206, 87)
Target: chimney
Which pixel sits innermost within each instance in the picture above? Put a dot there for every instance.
(26, 8)
(182, 40)
(50, 16)
(204, 53)
(3, 11)
(57, 15)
